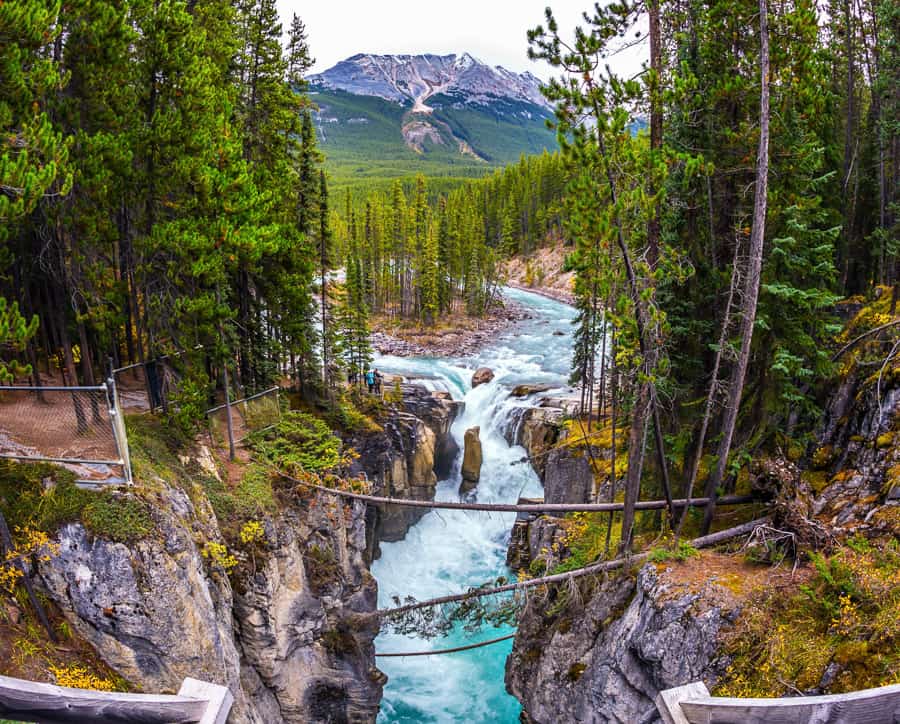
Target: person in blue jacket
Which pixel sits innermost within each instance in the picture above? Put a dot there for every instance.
(370, 379)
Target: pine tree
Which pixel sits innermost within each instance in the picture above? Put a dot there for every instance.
(299, 60)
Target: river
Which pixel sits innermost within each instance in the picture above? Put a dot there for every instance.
(449, 551)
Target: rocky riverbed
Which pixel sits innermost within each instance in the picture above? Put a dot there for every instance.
(464, 336)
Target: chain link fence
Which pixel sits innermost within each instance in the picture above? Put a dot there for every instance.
(150, 386)
(79, 427)
(251, 414)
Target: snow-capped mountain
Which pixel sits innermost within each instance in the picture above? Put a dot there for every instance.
(448, 115)
(412, 79)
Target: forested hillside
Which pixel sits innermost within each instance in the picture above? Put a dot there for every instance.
(423, 254)
(715, 246)
(161, 185)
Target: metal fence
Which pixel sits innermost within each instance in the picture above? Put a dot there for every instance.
(79, 427)
(149, 386)
(251, 414)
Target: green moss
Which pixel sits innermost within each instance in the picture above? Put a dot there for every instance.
(816, 479)
(575, 671)
(118, 518)
(681, 552)
(822, 457)
(44, 497)
(154, 448)
(251, 498)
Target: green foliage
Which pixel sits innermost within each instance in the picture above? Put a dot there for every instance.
(119, 518)
(844, 616)
(189, 402)
(299, 439)
(250, 499)
(680, 552)
(27, 501)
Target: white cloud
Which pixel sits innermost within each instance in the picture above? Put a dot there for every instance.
(491, 30)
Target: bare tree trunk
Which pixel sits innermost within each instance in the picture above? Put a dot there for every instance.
(654, 225)
(711, 396)
(648, 354)
(754, 269)
(636, 438)
(613, 421)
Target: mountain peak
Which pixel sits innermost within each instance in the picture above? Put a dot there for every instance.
(412, 79)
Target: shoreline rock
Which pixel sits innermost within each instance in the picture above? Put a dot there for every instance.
(453, 342)
(482, 376)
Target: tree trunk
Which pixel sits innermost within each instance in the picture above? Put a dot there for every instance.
(711, 395)
(754, 268)
(636, 437)
(653, 227)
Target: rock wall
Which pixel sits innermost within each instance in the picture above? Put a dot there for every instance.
(290, 638)
(605, 660)
(404, 460)
(600, 652)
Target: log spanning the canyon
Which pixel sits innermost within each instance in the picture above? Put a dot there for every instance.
(602, 567)
(522, 507)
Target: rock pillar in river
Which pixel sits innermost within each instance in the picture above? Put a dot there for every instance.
(482, 376)
(472, 459)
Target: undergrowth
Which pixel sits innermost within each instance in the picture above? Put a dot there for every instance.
(43, 497)
(837, 632)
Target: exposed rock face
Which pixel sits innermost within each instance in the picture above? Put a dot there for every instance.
(302, 618)
(526, 390)
(568, 477)
(414, 78)
(536, 429)
(858, 453)
(158, 610)
(403, 460)
(482, 376)
(472, 459)
(437, 410)
(607, 661)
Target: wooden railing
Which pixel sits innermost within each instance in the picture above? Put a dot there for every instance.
(197, 702)
(692, 704)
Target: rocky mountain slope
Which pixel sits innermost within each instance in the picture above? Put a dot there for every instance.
(410, 113)
(413, 79)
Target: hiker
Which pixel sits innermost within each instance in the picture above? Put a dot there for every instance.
(370, 380)
(379, 378)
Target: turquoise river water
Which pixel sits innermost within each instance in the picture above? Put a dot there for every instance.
(449, 551)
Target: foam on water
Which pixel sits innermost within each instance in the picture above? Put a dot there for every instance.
(450, 551)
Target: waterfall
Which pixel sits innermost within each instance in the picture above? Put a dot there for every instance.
(449, 551)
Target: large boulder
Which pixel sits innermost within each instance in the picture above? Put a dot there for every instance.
(526, 390)
(472, 459)
(482, 375)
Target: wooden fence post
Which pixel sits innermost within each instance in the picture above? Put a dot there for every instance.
(219, 697)
(668, 702)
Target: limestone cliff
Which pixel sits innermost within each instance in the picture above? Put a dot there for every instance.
(606, 660)
(286, 634)
(284, 617)
(405, 460)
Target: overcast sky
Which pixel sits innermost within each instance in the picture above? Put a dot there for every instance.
(491, 30)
